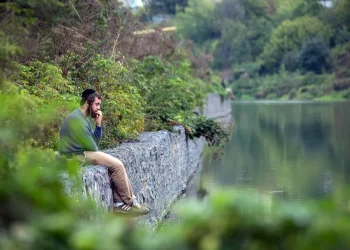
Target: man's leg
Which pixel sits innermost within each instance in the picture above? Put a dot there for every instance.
(122, 188)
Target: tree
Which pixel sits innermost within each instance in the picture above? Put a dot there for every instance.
(233, 46)
(245, 29)
(230, 9)
(289, 36)
(308, 7)
(198, 22)
(338, 18)
(313, 56)
(342, 13)
(167, 6)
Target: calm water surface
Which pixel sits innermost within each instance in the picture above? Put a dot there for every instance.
(295, 150)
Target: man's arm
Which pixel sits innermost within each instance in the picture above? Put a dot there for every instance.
(82, 133)
(97, 135)
(98, 129)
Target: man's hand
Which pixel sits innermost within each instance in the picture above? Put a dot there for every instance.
(99, 118)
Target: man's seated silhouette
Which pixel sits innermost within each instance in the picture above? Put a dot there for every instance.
(78, 139)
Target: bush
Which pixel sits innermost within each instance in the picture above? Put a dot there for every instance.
(292, 94)
(247, 97)
(290, 61)
(233, 46)
(251, 68)
(43, 82)
(47, 91)
(211, 130)
(289, 36)
(272, 96)
(341, 60)
(305, 96)
(346, 94)
(314, 56)
(170, 92)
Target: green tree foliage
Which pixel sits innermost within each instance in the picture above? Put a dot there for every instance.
(233, 46)
(169, 7)
(236, 30)
(342, 13)
(314, 56)
(289, 36)
(169, 91)
(139, 96)
(42, 81)
(233, 10)
(338, 18)
(74, 49)
(20, 17)
(308, 8)
(8, 49)
(43, 85)
(245, 28)
(198, 22)
(290, 61)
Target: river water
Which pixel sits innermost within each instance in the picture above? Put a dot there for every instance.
(294, 150)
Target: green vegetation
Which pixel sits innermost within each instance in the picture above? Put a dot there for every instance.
(288, 86)
(260, 40)
(41, 87)
(289, 36)
(67, 47)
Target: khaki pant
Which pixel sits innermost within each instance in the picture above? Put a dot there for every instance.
(121, 186)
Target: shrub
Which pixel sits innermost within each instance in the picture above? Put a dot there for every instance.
(290, 61)
(42, 81)
(305, 96)
(289, 36)
(252, 68)
(170, 92)
(341, 60)
(314, 56)
(247, 97)
(346, 94)
(272, 96)
(137, 96)
(48, 92)
(233, 46)
(292, 94)
(211, 130)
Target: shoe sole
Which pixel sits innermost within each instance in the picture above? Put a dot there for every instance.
(132, 214)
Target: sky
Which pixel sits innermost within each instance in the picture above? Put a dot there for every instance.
(132, 3)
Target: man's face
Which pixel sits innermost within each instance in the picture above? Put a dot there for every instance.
(94, 107)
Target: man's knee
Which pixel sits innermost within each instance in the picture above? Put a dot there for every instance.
(116, 164)
(101, 158)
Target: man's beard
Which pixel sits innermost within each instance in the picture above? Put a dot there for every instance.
(91, 113)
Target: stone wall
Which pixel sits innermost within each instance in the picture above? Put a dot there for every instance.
(159, 165)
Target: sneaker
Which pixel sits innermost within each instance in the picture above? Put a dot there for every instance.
(134, 208)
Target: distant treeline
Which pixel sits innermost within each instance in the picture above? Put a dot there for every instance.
(259, 38)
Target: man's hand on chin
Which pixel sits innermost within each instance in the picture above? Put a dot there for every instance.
(98, 118)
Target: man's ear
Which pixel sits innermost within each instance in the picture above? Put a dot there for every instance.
(86, 105)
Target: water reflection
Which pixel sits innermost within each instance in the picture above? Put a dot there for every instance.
(291, 150)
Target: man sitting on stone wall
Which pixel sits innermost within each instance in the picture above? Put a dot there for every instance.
(78, 139)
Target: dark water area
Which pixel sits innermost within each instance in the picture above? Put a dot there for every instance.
(293, 150)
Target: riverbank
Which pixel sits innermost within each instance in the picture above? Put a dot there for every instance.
(292, 86)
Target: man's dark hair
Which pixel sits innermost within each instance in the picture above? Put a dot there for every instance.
(89, 95)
